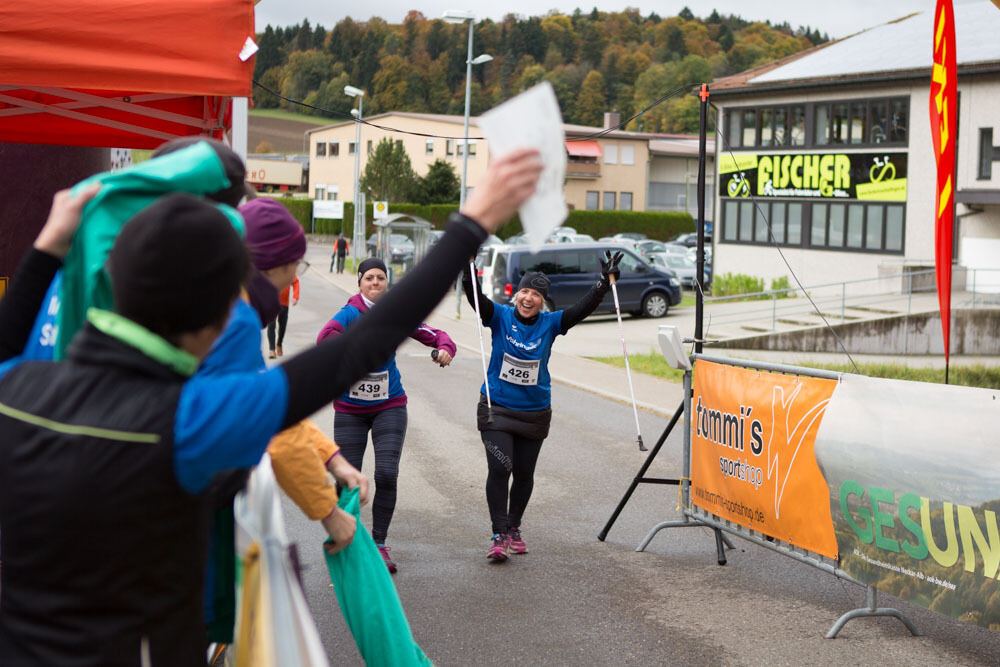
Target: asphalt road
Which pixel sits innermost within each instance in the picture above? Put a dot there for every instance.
(573, 599)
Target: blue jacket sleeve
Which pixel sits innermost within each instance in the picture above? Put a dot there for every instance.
(225, 422)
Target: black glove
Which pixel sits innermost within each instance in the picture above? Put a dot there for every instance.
(609, 265)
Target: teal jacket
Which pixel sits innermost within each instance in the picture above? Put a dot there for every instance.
(85, 283)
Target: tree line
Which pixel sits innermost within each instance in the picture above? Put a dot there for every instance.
(596, 62)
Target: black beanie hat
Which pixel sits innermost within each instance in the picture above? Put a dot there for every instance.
(233, 165)
(177, 265)
(537, 281)
(369, 264)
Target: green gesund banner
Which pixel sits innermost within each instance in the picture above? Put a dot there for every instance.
(862, 176)
(915, 491)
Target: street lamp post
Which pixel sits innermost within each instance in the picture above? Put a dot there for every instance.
(462, 16)
(359, 224)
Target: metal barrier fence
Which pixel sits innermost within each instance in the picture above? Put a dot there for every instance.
(892, 294)
(694, 516)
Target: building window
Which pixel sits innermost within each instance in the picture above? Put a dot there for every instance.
(352, 148)
(459, 146)
(472, 149)
(798, 123)
(609, 201)
(749, 128)
(873, 227)
(334, 149)
(449, 147)
(370, 149)
(625, 201)
(844, 122)
(762, 222)
(593, 200)
(321, 149)
(319, 192)
(429, 147)
(628, 154)
(611, 154)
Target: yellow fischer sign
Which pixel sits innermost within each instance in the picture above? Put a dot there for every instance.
(865, 176)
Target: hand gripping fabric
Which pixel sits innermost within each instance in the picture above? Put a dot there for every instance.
(368, 598)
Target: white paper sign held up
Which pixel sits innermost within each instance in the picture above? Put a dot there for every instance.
(532, 120)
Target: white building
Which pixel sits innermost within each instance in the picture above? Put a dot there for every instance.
(834, 145)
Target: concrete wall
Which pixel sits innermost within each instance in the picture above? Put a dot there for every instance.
(31, 175)
(973, 332)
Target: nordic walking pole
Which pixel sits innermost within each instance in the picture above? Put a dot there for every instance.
(482, 348)
(628, 370)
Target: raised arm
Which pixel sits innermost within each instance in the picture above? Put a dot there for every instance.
(24, 297)
(592, 299)
(485, 304)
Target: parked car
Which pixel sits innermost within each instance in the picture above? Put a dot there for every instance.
(648, 247)
(573, 268)
(629, 239)
(575, 238)
(682, 265)
(691, 239)
(517, 239)
(433, 236)
(401, 248)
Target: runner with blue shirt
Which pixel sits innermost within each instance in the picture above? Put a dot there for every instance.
(520, 388)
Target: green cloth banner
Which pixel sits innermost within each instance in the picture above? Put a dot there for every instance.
(368, 598)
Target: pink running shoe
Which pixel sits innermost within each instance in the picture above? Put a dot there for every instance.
(384, 550)
(516, 542)
(498, 549)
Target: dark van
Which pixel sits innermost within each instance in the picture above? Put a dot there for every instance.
(573, 268)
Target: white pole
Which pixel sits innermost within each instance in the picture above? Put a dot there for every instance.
(359, 220)
(468, 94)
(628, 370)
(479, 328)
(241, 125)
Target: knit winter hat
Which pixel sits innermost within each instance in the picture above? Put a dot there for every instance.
(369, 264)
(274, 237)
(177, 265)
(232, 164)
(535, 280)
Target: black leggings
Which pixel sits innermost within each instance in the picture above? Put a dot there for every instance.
(506, 455)
(388, 428)
(282, 320)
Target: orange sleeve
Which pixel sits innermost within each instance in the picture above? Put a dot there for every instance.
(295, 288)
(299, 455)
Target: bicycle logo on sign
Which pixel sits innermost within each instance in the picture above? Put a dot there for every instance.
(884, 165)
(739, 185)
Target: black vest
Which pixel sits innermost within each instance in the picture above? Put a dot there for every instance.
(103, 553)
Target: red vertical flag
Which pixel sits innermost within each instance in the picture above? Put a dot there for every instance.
(944, 121)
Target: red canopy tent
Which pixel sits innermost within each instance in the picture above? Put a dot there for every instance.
(121, 73)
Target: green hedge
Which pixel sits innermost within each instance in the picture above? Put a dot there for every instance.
(654, 224)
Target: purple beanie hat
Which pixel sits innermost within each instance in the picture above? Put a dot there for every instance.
(274, 237)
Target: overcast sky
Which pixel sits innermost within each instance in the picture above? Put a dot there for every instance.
(849, 16)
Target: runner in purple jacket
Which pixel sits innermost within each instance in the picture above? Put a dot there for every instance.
(377, 402)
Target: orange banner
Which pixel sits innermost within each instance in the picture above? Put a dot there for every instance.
(752, 461)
